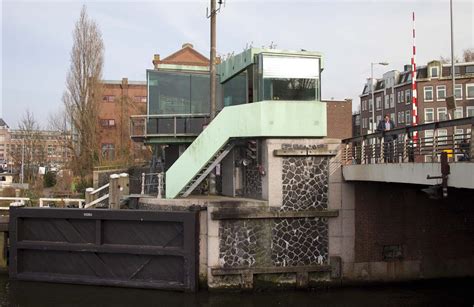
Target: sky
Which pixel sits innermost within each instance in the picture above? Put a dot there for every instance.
(36, 38)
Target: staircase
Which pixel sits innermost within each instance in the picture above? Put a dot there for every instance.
(211, 164)
(253, 120)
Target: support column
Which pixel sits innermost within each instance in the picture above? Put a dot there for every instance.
(114, 192)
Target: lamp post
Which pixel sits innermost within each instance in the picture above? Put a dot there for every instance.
(372, 129)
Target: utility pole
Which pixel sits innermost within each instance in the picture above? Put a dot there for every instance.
(22, 176)
(212, 96)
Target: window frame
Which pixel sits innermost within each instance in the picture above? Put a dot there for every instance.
(469, 85)
(462, 112)
(408, 97)
(425, 90)
(460, 87)
(425, 117)
(441, 110)
(468, 108)
(438, 87)
(437, 72)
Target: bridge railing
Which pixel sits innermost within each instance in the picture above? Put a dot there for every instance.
(401, 145)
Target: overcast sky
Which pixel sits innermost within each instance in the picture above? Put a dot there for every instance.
(37, 39)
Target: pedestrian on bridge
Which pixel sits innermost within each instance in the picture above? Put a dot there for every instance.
(385, 125)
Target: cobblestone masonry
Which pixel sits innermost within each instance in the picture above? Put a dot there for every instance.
(301, 241)
(305, 182)
(238, 243)
(253, 182)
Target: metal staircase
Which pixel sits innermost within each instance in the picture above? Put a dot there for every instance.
(210, 165)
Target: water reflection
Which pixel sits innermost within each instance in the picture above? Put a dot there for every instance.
(438, 293)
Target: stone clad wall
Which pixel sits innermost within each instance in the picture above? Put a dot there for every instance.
(302, 182)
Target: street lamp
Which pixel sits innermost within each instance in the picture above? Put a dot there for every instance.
(372, 91)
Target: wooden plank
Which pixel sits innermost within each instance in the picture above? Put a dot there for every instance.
(105, 248)
(269, 270)
(235, 214)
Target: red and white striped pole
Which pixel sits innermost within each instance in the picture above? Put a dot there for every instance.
(413, 86)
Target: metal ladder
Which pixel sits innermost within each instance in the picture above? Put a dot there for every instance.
(210, 165)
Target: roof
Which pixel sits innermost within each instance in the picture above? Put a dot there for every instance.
(186, 56)
(237, 63)
(3, 123)
(120, 82)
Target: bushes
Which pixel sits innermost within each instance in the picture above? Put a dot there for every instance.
(49, 179)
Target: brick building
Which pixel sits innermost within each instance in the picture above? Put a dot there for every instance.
(392, 95)
(339, 114)
(124, 98)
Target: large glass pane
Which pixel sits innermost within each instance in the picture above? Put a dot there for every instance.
(289, 89)
(169, 93)
(235, 90)
(200, 97)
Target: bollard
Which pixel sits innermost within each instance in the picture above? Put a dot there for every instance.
(88, 195)
(124, 182)
(114, 192)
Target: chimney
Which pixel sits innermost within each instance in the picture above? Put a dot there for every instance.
(187, 45)
(156, 61)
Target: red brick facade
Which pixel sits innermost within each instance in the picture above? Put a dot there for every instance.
(339, 118)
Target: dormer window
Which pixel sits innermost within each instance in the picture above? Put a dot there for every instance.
(434, 71)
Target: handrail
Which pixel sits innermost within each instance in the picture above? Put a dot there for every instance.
(410, 129)
(65, 200)
(98, 200)
(183, 115)
(100, 189)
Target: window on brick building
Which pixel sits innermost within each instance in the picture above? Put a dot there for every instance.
(392, 116)
(470, 69)
(458, 91)
(400, 96)
(428, 93)
(429, 115)
(387, 102)
(378, 103)
(470, 91)
(407, 96)
(469, 111)
(108, 151)
(441, 92)
(408, 117)
(442, 136)
(434, 72)
(140, 98)
(392, 100)
(108, 98)
(371, 104)
(401, 117)
(458, 113)
(442, 113)
(107, 122)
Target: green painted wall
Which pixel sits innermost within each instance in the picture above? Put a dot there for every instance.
(260, 119)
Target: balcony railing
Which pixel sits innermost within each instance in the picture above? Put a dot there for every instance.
(168, 125)
(399, 145)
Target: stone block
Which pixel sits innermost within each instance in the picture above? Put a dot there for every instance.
(335, 246)
(335, 263)
(335, 197)
(212, 251)
(348, 195)
(348, 222)
(335, 226)
(348, 253)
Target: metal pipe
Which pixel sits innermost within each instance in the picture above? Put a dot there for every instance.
(452, 51)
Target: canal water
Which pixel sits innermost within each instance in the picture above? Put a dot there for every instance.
(459, 292)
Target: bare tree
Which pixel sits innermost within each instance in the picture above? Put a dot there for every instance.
(31, 151)
(468, 55)
(83, 90)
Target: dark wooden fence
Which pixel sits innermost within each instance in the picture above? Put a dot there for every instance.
(130, 248)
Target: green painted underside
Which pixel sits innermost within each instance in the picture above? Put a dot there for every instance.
(169, 140)
(259, 119)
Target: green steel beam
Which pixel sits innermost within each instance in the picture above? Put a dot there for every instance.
(259, 119)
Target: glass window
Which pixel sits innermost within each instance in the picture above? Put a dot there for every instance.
(235, 90)
(387, 102)
(469, 111)
(378, 118)
(378, 102)
(458, 113)
(470, 91)
(407, 96)
(392, 116)
(441, 92)
(108, 98)
(428, 93)
(470, 69)
(408, 117)
(392, 100)
(434, 72)
(458, 92)
(108, 151)
(442, 114)
(428, 139)
(401, 117)
(371, 104)
(289, 89)
(429, 115)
